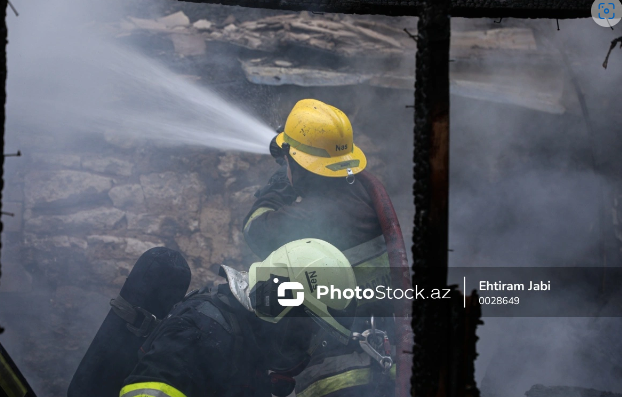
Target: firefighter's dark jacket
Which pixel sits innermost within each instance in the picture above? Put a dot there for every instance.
(342, 214)
(325, 208)
(205, 347)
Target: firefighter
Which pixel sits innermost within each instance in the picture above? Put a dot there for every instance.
(316, 195)
(224, 342)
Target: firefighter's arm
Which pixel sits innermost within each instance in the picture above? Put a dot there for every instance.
(268, 228)
(278, 193)
(187, 356)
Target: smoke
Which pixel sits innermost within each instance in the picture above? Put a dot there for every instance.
(526, 190)
(72, 85)
(69, 76)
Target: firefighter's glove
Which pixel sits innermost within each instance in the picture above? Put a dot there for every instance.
(279, 188)
(277, 152)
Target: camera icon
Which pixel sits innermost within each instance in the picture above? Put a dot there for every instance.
(609, 10)
(606, 13)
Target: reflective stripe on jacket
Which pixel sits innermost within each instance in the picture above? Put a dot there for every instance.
(338, 373)
(150, 389)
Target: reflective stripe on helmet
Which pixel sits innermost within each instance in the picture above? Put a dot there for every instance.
(150, 389)
(313, 151)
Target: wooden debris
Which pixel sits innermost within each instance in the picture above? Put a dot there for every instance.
(202, 24)
(347, 37)
(274, 75)
(174, 20)
(230, 28)
(381, 27)
(148, 24)
(545, 97)
(229, 20)
(359, 43)
(373, 35)
(311, 28)
(495, 39)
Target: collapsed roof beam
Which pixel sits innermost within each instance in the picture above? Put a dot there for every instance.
(556, 9)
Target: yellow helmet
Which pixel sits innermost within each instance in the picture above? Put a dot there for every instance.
(320, 137)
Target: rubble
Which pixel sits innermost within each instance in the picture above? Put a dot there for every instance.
(305, 77)
(202, 24)
(175, 20)
(360, 45)
(346, 36)
(146, 24)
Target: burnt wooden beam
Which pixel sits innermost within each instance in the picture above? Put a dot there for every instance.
(456, 8)
(3, 37)
(432, 317)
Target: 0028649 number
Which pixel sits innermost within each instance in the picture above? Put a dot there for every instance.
(498, 300)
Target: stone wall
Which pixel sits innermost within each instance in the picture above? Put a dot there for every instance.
(87, 217)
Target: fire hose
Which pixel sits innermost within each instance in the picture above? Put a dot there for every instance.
(400, 278)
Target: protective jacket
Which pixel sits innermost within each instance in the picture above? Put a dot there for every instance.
(328, 209)
(342, 214)
(205, 347)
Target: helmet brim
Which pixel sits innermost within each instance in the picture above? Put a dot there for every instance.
(328, 166)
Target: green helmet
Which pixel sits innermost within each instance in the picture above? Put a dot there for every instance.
(288, 279)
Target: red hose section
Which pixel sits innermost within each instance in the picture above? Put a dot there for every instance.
(400, 278)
